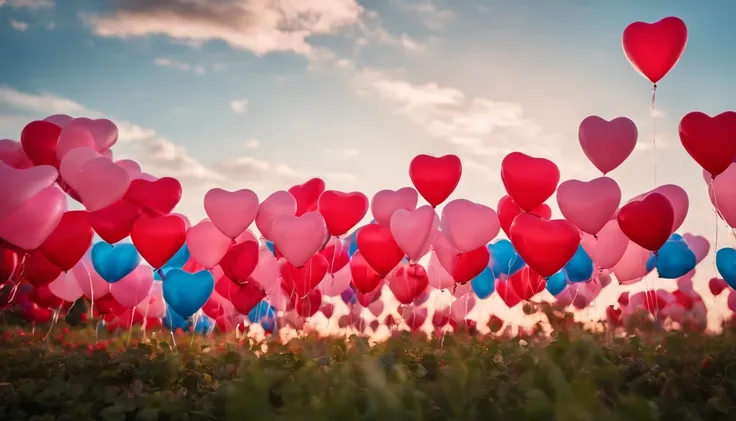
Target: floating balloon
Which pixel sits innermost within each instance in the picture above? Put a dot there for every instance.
(556, 283)
(544, 245)
(580, 267)
(529, 181)
(298, 238)
(654, 48)
(231, 212)
(469, 225)
(726, 265)
(484, 284)
(647, 222)
(307, 195)
(435, 178)
(386, 202)
(607, 144)
(673, 260)
(505, 261)
(158, 238)
(114, 262)
(412, 230)
(589, 205)
(186, 293)
(342, 211)
(710, 141)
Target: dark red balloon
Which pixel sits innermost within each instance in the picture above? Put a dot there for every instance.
(378, 247)
(307, 195)
(39, 270)
(157, 239)
(647, 222)
(364, 278)
(710, 141)
(107, 304)
(508, 211)
(38, 315)
(367, 298)
(435, 178)
(44, 298)
(308, 306)
(39, 140)
(302, 280)
(654, 48)
(470, 264)
(716, 286)
(336, 254)
(8, 264)
(244, 297)
(69, 241)
(115, 222)
(158, 197)
(342, 211)
(526, 283)
(440, 318)
(507, 294)
(408, 282)
(328, 309)
(240, 261)
(546, 246)
(528, 180)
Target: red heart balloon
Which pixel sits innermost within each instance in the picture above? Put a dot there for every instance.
(107, 304)
(44, 298)
(378, 247)
(342, 211)
(527, 283)
(654, 48)
(114, 222)
(240, 261)
(528, 180)
(683, 299)
(507, 294)
(158, 238)
(39, 270)
(244, 297)
(39, 139)
(301, 281)
(308, 306)
(69, 241)
(546, 246)
(328, 309)
(508, 211)
(36, 314)
(440, 318)
(613, 315)
(307, 195)
(367, 298)
(435, 178)
(336, 254)
(470, 264)
(364, 278)
(408, 282)
(710, 141)
(8, 264)
(213, 309)
(647, 222)
(158, 197)
(716, 286)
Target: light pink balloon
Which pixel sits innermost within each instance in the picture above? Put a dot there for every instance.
(413, 230)
(61, 120)
(461, 307)
(277, 299)
(66, 285)
(386, 202)
(95, 287)
(154, 305)
(677, 197)
(607, 144)
(376, 308)
(104, 131)
(298, 238)
(12, 154)
(607, 247)
(698, 244)
(19, 186)
(206, 244)
(447, 254)
(469, 225)
(266, 273)
(74, 161)
(277, 204)
(101, 183)
(30, 224)
(633, 264)
(438, 277)
(72, 137)
(131, 167)
(722, 193)
(231, 212)
(134, 287)
(589, 205)
(334, 284)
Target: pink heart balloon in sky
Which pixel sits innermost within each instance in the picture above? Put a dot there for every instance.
(131, 167)
(153, 305)
(722, 192)
(334, 284)
(72, 137)
(633, 264)
(29, 225)
(699, 245)
(73, 163)
(12, 154)
(608, 245)
(589, 205)
(231, 212)
(277, 204)
(386, 202)
(607, 144)
(438, 276)
(206, 244)
(298, 238)
(18, 186)
(447, 254)
(677, 197)
(66, 286)
(469, 225)
(101, 183)
(103, 131)
(94, 287)
(413, 229)
(61, 120)
(134, 287)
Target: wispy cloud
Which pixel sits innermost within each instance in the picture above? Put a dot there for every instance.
(238, 106)
(342, 153)
(28, 4)
(181, 66)
(18, 25)
(430, 14)
(252, 144)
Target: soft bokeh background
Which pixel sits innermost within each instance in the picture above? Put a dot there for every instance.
(263, 94)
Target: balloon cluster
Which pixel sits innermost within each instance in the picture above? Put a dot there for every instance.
(217, 273)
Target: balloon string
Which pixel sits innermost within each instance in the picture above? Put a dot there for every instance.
(654, 131)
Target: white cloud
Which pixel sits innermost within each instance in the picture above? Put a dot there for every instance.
(28, 4)
(343, 153)
(239, 105)
(18, 25)
(252, 144)
(178, 65)
(431, 15)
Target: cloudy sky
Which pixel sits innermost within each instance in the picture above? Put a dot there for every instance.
(263, 94)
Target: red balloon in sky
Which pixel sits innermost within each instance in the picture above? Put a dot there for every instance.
(39, 140)
(158, 197)
(378, 248)
(435, 178)
(342, 211)
(508, 211)
(470, 264)
(336, 254)
(115, 222)
(158, 238)
(240, 261)
(302, 280)
(364, 278)
(39, 271)
(307, 195)
(654, 48)
(647, 222)
(528, 180)
(70, 240)
(526, 283)
(710, 141)
(546, 246)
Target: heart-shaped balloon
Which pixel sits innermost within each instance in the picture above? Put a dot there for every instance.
(31, 224)
(187, 292)
(12, 154)
(412, 230)
(722, 192)
(69, 241)
(386, 202)
(231, 212)
(298, 238)
(365, 279)
(654, 48)
(245, 297)
(408, 282)
(678, 199)
(342, 211)
(206, 244)
(159, 197)
(504, 259)
(580, 267)
(470, 264)
(334, 284)
(266, 273)
(673, 260)
(39, 139)
(469, 225)
(607, 247)
(134, 287)
(528, 180)
(66, 285)
(8, 264)
(716, 286)
(726, 265)
(39, 271)
(633, 264)
(508, 210)
(377, 246)
(240, 261)
(435, 178)
(101, 183)
(698, 244)
(336, 254)
(277, 204)
(647, 222)
(131, 167)
(71, 137)
(607, 144)
(556, 283)
(114, 262)
(158, 238)
(18, 186)
(308, 306)
(507, 293)
(307, 195)
(302, 280)
(589, 205)
(114, 222)
(484, 284)
(526, 283)
(710, 141)
(544, 245)
(73, 164)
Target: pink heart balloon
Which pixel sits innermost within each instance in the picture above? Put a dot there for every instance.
(134, 287)
(72, 137)
(589, 205)
(73, 163)
(131, 167)
(677, 197)
(94, 287)
(12, 154)
(30, 224)
(386, 202)
(469, 225)
(66, 286)
(633, 264)
(298, 238)
(607, 247)
(376, 308)
(334, 284)
(447, 254)
(699, 245)
(103, 131)
(206, 244)
(277, 204)
(460, 308)
(153, 305)
(722, 192)
(412, 230)
(277, 299)
(607, 144)
(438, 277)
(18, 186)
(100, 184)
(61, 120)
(231, 212)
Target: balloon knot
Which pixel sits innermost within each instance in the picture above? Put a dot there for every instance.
(654, 87)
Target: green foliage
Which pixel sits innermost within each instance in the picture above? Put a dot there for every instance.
(571, 375)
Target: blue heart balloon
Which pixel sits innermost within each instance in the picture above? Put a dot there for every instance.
(173, 321)
(556, 283)
(674, 259)
(187, 292)
(179, 259)
(270, 325)
(114, 262)
(204, 325)
(580, 267)
(726, 265)
(271, 247)
(262, 310)
(505, 260)
(484, 284)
